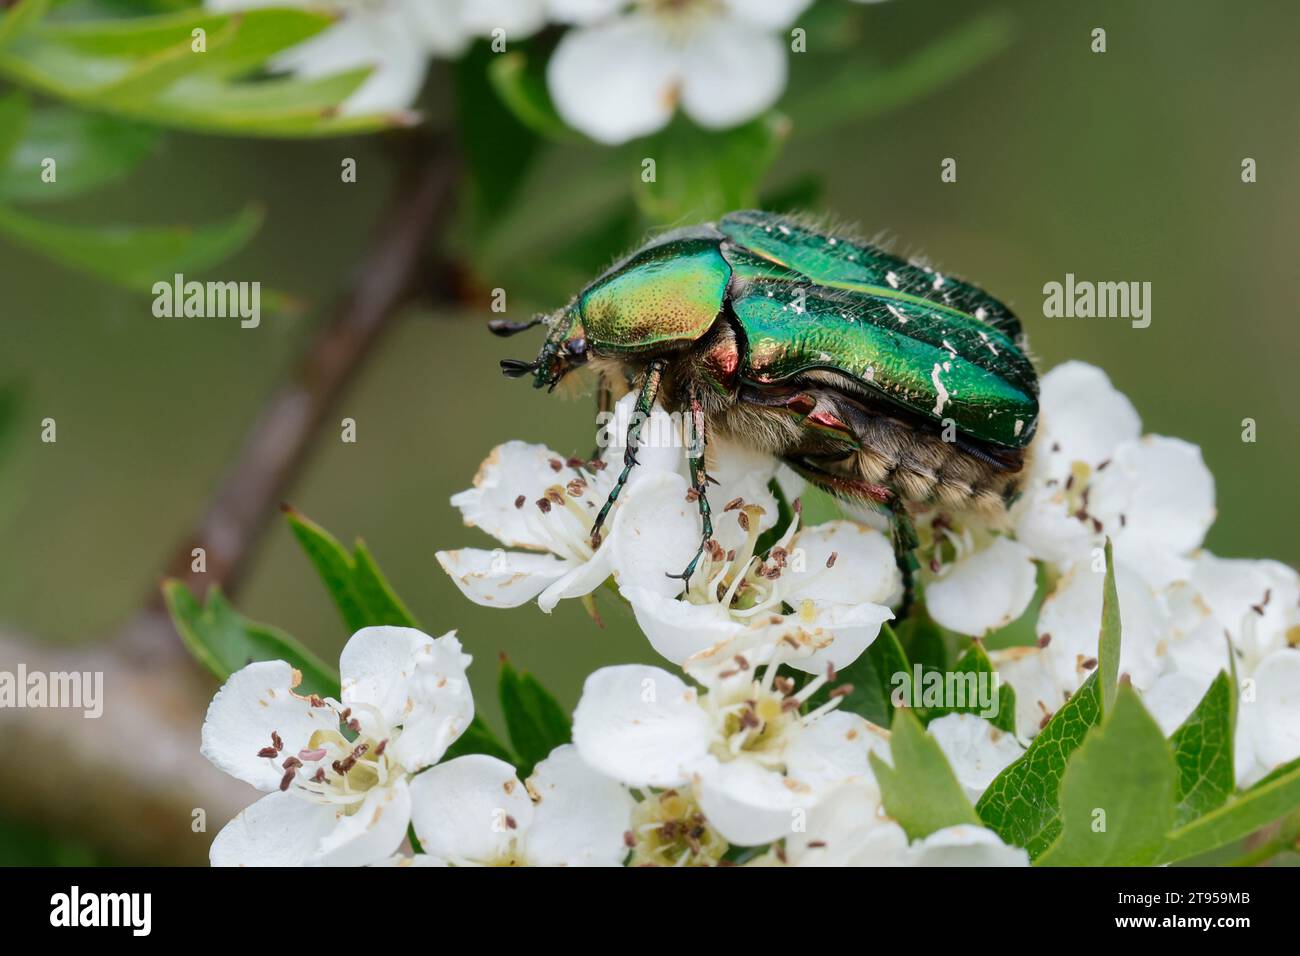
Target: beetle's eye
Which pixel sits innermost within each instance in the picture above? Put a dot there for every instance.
(577, 350)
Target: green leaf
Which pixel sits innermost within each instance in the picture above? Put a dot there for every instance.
(1021, 804)
(1203, 752)
(699, 174)
(15, 108)
(856, 94)
(132, 256)
(498, 146)
(520, 81)
(1117, 794)
(224, 641)
(920, 790)
(1108, 647)
(976, 661)
(478, 739)
(1275, 796)
(818, 507)
(536, 722)
(90, 150)
(20, 18)
(872, 677)
(354, 582)
(145, 68)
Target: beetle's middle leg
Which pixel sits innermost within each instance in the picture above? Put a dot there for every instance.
(645, 401)
(699, 483)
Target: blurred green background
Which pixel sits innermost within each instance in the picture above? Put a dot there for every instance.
(1116, 166)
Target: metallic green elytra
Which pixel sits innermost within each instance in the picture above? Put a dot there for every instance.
(876, 378)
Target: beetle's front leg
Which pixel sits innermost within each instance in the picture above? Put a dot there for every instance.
(645, 401)
(699, 484)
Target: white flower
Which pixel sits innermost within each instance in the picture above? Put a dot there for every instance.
(530, 497)
(623, 75)
(336, 798)
(396, 38)
(753, 760)
(669, 829)
(849, 828)
(982, 591)
(473, 811)
(1252, 607)
(976, 750)
(838, 578)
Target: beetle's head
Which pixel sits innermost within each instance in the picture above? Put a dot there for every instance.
(564, 349)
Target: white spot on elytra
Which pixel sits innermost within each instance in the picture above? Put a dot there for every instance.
(891, 279)
(1019, 426)
(940, 387)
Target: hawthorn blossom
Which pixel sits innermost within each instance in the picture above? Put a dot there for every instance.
(473, 811)
(752, 759)
(396, 38)
(336, 772)
(536, 500)
(623, 72)
(669, 829)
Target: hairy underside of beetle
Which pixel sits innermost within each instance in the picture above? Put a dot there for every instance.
(841, 438)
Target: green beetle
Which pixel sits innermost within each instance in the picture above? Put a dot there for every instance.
(876, 379)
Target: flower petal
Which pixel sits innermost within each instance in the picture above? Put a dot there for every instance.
(413, 680)
(1083, 418)
(985, 590)
(966, 845)
(834, 748)
(501, 578)
(372, 833)
(678, 629)
(614, 81)
(1277, 698)
(511, 470)
(773, 14)
(976, 750)
(843, 563)
(470, 810)
(655, 533)
(837, 634)
(749, 804)
(582, 578)
(1156, 501)
(640, 725)
(580, 815)
(280, 829)
(731, 72)
(255, 702)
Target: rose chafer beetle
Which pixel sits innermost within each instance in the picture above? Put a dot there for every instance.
(878, 380)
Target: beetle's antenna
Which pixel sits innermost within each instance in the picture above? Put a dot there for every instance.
(517, 368)
(505, 328)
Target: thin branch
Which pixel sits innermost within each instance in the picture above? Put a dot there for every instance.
(131, 782)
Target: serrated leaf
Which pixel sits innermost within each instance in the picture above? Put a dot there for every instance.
(91, 151)
(1275, 796)
(919, 790)
(976, 661)
(1203, 753)
(1108, 645)
(358, 588)
(873, 677)
(535, 721)
(1117, 793)
(135, 257)
(1021, 804)
(225, 641)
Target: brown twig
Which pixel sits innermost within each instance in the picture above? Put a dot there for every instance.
(132, 781)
